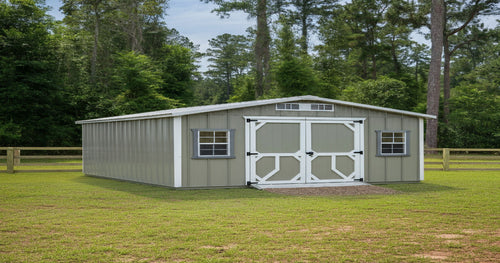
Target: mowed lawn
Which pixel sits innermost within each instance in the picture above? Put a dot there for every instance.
(68, 217)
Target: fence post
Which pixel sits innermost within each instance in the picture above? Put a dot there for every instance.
(10, 160)
(17, 156)
(446, 159)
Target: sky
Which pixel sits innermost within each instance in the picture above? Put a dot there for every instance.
(193, 19)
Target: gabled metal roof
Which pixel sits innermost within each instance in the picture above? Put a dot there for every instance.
(245, 104)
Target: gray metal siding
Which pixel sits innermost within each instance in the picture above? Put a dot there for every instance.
(140, 151)
(391, 168)
(213, 172)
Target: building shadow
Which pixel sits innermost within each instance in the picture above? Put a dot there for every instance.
(166, 193)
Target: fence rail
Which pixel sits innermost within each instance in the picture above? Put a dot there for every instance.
(14, 159)
(447, 163)
(489, 160)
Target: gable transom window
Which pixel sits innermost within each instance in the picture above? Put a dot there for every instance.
(393, 143)
(288, 106)
(213, 143)
(304, 107)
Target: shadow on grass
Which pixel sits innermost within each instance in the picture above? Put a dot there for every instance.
(420, 187)
(160, 192)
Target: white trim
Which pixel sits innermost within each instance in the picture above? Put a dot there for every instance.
(247, 148)
(360, 128)
(84, 147)
(177, 134)
(421, 147)
(305, 175)
(239, 105)
(294, 119)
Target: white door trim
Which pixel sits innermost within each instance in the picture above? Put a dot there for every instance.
(305, 125)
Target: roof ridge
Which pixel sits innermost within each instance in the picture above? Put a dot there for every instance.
(235, 105)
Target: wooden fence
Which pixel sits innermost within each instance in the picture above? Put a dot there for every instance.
(463, 159)
(43, 162)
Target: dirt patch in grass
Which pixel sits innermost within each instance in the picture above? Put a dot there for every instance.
(436, 255)
(338, 190)
(450, 236)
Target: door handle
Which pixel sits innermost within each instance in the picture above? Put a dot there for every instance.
(310, 153)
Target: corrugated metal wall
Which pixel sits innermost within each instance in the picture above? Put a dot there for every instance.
(140, 151)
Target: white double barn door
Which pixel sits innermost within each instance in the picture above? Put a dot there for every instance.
(303, 150)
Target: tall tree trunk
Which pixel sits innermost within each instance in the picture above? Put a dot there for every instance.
(416, 71)
(135, 29)
(304, 29)
(446, 79)
(449, 52)
(228, 84)
(93, 61)
(262, 54)
(434, 82)
(397, 66)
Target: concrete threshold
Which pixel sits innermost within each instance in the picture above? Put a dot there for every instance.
(340, 184)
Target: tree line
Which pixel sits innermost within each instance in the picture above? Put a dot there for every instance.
(109, 57)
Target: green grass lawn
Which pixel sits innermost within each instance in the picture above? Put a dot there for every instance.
(68, 217)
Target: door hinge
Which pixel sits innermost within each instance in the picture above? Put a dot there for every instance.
(360, 152)
(360, 121)
(250, 120)
(249, 153)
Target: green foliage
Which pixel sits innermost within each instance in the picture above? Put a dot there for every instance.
(176, 64)
(244, 89)
(10, 132)
(368, 39)
(230, 57)
(53, 73)
(385, 92)
(31, 102)
(140, 82)
(475, 114)
(296, 77)
(294, 73)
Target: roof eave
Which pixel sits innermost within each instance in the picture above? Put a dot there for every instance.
(229, 106)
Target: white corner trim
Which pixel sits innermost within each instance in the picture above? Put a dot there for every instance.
(177, 152)
(421, 147)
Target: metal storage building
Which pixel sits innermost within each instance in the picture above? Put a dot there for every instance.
(305, 139)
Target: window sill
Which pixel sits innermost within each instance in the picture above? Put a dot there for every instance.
(214, 157)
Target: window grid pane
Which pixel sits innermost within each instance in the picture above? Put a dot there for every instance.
(393, 143)
(213, 143)
(304, 107)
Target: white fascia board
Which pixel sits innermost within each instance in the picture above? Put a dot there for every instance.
(132, 117)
